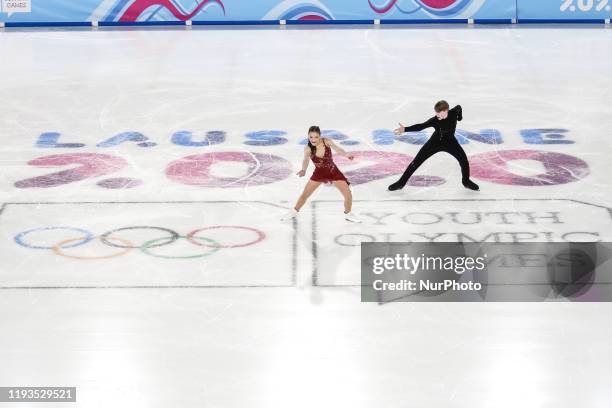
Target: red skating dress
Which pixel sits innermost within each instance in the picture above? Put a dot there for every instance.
(325, 168)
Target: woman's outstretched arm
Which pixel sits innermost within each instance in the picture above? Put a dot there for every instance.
(338, 149)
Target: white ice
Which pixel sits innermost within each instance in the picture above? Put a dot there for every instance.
(279, 323)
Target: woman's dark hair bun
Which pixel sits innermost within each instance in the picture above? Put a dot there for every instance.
(314, 129)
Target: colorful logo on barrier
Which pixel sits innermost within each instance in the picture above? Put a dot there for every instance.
(299, 10)
(167, 10)
(438, 8)
(136, 9)
(153, 10)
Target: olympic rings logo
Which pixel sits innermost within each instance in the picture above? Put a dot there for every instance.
(148, 247)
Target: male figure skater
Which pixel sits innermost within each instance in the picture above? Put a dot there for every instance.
(442, 140)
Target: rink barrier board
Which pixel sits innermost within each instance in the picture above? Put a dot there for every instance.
(237, 22)
(33, 13)
(561, 21)
(494, 21)
(328, 22)
(138, 23)
(300, 22)
(49, 24)
(425, 21)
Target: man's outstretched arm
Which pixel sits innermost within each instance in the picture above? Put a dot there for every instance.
(459, 112)
(415, 128)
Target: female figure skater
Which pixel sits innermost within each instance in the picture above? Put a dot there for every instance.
(319, 150)
(442, 140)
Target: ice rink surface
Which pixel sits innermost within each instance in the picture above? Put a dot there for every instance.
(144, 173)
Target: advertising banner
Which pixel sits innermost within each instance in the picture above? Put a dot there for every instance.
(127, 11)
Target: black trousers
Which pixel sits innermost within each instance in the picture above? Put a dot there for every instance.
(432, 147)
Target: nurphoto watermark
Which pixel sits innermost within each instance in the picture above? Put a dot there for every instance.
(475, 272)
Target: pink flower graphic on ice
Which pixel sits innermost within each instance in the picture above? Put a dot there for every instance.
(435, 8)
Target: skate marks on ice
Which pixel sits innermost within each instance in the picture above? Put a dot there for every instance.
(242, 244)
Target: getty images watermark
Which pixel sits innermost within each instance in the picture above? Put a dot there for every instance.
(471, 272)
